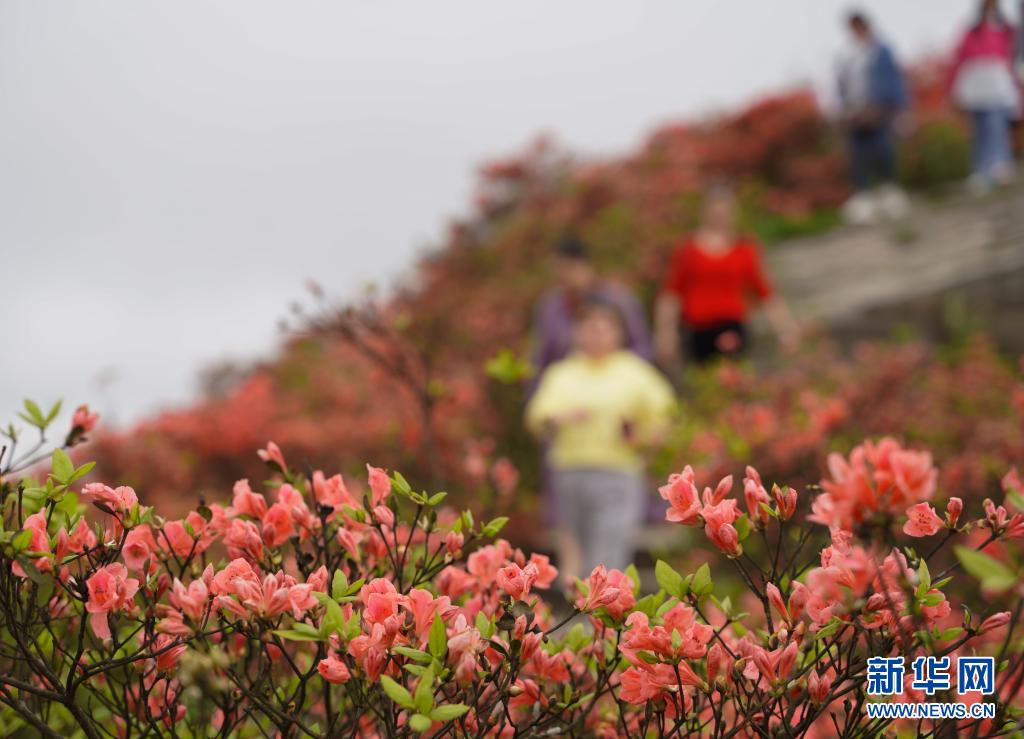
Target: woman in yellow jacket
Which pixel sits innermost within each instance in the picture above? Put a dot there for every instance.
(599, 408)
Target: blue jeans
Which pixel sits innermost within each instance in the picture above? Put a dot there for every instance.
(871, 156)
(992, 147)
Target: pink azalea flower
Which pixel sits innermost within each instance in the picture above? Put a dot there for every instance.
(110, 589)
(120, 500)
(922, 520)
(333, 669)
(245, 502)
(39, 544)
(818, 687)
(517, 581)
(272, 455)
(243, 540)
(331, 491)
(1001, 522)
(168, 654)
(600, 591)
(954, 508)
(681, 494)
(546, 572)
(380, 485)
(301, 599)
(756, 496)
(995, 621)
(453, 542)
(775, 598)
(718, 520)
(505, 476)
(381, 601)
(318, 579)
(384, 516)
(83, 419)
(278, 526)
(139, 546)
(785, 501)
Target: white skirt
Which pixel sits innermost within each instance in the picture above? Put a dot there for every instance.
(986, 83)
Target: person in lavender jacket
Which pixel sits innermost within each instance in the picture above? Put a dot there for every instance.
(577, 278)
(577, 281)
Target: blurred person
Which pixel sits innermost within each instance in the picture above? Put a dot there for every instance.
(711, 277)
(576, 277)
(1020, 45)
(982, 84)
(872, 91)
(598, 410)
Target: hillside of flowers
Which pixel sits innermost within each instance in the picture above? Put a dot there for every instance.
(315, 605)
(430, 379)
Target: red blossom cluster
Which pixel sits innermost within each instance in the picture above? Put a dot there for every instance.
(313, 608)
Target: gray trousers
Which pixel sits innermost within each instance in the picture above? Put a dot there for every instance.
(603, 509)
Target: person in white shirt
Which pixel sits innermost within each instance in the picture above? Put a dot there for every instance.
(872, 92)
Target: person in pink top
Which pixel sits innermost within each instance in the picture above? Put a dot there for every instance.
(982, 84)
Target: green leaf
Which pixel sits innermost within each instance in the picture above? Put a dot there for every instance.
(396, 692)
(494, 527)
(416, 654)
(63, 467)
(668, 579)
(30, 569)
(334, 618)
(339, 583)
(994, 575)
(35, 415)
(85, 469)
(484, 625)
(507, 368)
(436, 499)
(742, 526)
(420, 723)
(648, 605)
(424, 697)
(297, 635)
(53, 412)
(400, 485)
(449, 712)
(925, 578)
(828, 629)
(437, 642)
(702, 584)
(21, 540)
(634, 575)
(932, 599)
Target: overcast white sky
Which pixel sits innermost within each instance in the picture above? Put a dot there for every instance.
(171, 173)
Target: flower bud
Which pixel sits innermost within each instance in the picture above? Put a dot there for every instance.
(995, 621)
(954, 508)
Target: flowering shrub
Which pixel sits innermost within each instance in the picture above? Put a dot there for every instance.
(318, 608)
(326, 399)
(793, 417)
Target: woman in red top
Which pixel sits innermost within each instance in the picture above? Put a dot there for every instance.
(711, 279)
